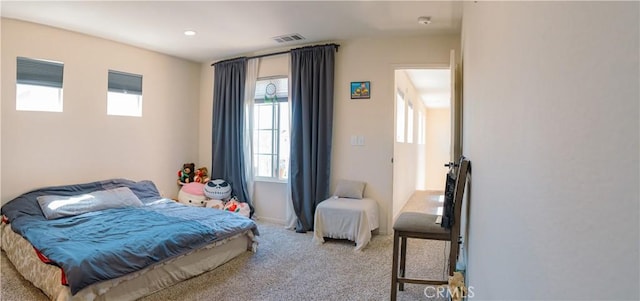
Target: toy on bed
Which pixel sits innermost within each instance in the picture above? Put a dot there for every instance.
(215, 204)
(201, 175)
(219, 193)
(234, 205)
(186, 174)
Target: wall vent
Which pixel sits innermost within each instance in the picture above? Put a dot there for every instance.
(288, 38)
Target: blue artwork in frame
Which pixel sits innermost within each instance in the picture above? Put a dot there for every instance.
(360, 90)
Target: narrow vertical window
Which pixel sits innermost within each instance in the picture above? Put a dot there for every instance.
(400, 116)
(38, 85)
(124, 95)
(271, 129)
(421, 128)
(409, 122)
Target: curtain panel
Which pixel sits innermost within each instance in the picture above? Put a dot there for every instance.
(249, 101)
(312, 83)
(229, 125)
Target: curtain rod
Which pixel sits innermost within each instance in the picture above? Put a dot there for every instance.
(337, 46)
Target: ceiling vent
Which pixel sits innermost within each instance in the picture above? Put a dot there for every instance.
(288, 38)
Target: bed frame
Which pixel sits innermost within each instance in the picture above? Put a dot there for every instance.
(132, 286)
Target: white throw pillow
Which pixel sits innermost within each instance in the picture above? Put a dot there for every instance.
(350, 189)
(57, 206)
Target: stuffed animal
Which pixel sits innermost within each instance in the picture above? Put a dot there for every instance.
(234, 205)
(192, 194)
(186, 174)
(201, 175)
(457, 288)
(217, 189)
(216, 204)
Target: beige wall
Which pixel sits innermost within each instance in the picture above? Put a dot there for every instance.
(269, 200)
(438, 146)
(205, 111)
(551, 126)
(359, 60)
(82, 143)
(1, 76)
(376, 60)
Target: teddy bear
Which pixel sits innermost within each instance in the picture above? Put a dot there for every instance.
(457, 289)
(201, 175)
(186, 174)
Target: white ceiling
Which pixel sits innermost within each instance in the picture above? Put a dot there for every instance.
(230, 28)
(433, 85)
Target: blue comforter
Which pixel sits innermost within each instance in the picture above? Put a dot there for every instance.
(106, 244)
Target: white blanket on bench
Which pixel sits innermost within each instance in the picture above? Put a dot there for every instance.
(343, 218)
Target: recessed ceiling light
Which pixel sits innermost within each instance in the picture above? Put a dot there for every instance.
(189, 33)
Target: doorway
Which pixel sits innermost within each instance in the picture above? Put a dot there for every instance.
(423, 132)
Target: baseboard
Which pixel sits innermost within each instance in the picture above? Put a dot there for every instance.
(271, 220)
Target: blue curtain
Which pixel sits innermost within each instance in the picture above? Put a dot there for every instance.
(228, 119)
(312, 75)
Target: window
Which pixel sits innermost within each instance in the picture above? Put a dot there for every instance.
(124, 94)
(421, 128)
(410, 122)
(38, 85)
(400, 117)
(271, 129)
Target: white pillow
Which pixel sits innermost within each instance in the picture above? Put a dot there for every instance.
(56, 206)
(350, 189)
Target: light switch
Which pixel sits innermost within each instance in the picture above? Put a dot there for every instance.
(360, 140)
(354, 140)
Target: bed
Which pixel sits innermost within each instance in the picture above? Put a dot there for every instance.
(119, 253)
(346, 218)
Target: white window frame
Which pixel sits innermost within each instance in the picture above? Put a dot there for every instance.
(421, 127)
(400, 117)
(36, 98)
(37, 86)
(116, 107)
(409, 121)
(276, 128)
(121, 93)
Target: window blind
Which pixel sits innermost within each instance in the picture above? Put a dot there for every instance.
(39, 72)
(127, 83)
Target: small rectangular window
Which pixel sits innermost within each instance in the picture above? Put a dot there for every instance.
(124, 95)
(271, 129)
(409, 122)
(421, 128)
(400, 117)
(39, 85)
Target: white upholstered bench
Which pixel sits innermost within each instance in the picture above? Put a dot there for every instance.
(346, 215)
(345, 218)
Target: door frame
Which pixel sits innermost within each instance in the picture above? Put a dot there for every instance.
(393, 69)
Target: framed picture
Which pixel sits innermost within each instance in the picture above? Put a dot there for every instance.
(360, 90)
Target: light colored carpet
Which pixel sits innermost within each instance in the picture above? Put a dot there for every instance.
(288, 266)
